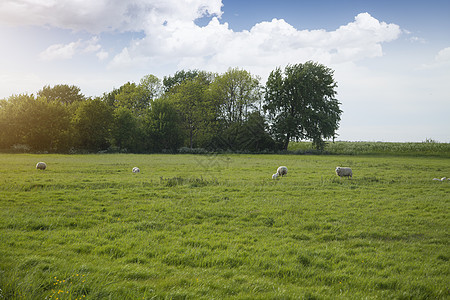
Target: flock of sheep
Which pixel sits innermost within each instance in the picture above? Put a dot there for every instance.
(340, 171)
(42, 166)
(281, 171)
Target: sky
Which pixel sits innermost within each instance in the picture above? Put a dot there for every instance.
(391, 59)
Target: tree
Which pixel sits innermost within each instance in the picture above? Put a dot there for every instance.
(110, 97)
(125, 132)
(62, 93)
(164, 126)
(179, 77)
(9, 133)
(35, 122)
(92, 124)
(236, 91)
(132, 97)
(151, 87)
(253, 135)
(194, 103)
(301, 103)
(136, 97)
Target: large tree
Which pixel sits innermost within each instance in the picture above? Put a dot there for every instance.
(92, 125)
(301, 103)
(125, 131)
(136, 97)
(163, 126)
(237, 91)
(179, 77)
(63, 93)
(132, 97)
(151, 87)
(35, 122)
(194, 104)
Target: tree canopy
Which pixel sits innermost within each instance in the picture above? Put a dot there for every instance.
(62, 93)
(301, 104)
(192, 108)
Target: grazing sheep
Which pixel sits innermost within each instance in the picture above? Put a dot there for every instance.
(344, 172)
(281, 171)
(41, 165)
(136, 170)
(442, 179)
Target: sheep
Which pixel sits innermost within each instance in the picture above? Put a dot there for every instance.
(344, 172)
(281, 171)
(442, 179)
(41, 165)
(136, 170)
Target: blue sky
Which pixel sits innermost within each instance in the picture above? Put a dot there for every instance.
(391, 58)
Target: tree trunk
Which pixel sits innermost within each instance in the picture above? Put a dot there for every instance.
(286, 142)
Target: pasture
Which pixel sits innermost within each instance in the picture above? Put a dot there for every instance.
(218, 227)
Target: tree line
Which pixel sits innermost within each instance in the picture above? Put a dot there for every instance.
(189, 110)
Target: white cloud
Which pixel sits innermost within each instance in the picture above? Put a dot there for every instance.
(60, 51)
(92, 45)
(441, 60)
(416, 39)
(102, 55)
(68, 51)
(266, 45)
(171, 36)
(103, 15)
(443, 56)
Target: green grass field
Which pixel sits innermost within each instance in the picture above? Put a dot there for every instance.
(219, 227)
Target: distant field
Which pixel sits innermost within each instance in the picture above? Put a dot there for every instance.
(218, 227)
(377, 148)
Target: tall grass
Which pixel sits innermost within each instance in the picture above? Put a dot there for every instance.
(427, 148)
(218, 227)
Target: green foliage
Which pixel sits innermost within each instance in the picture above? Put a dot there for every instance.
(62, 93)
(91, 123)
(133, 97)
(236, 92)
(241, 127)
(250, 135)
(301, 103)
(126, 133)
(218, 226)
(179, 77)
(196, 108)
(151, 86)
(41, 125)
(202, 111)
(163, 126)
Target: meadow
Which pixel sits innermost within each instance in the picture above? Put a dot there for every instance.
(218, 227)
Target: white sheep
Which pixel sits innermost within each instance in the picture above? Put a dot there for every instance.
(136, 170)
(442, 179)
(344, 172)
(281, 171)
(41, 165)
